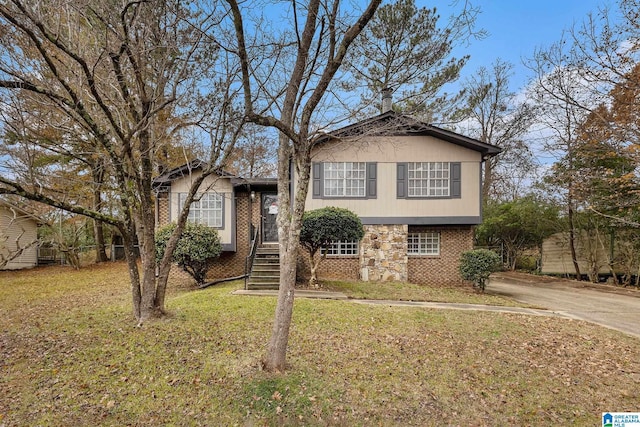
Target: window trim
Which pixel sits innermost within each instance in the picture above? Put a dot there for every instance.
(198, 197)
(425, 233)
(317, 182)
(422, 172)
(402, 182)
(340, 175)
(344, 245)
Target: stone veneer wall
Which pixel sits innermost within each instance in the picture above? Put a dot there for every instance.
(383, 253)
(442, 269)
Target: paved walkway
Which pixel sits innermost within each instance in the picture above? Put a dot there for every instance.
(611, 307)
(303, 293)
(300, 293)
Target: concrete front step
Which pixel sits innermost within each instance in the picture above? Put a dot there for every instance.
(265, 272)
(265, 278)
(257, 286)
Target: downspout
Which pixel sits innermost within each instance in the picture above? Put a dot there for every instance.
(250, 216)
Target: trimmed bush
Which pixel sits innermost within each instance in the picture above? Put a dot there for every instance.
(477, 265)
(197, 248)
(321, 227)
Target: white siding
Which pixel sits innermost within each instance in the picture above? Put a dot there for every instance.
(388, 152)
(18, 230)
(214, 184)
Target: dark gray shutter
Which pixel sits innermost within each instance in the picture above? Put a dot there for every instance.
(372, 176)
(316, 180)
(455, 170)
(222, 222)
(402, 182)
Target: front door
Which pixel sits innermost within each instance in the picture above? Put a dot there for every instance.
(269, 215)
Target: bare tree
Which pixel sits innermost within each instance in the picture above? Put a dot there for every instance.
(310, 52)
(497, 117)
(574, 77)
(254, 154)
(123, 79)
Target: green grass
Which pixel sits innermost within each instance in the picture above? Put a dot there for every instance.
(71, 355)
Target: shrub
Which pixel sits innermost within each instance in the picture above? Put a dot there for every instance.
(322, 227)
(477, 265)
(197, 248)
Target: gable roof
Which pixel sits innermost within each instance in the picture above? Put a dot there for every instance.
(18, 210)
(165, 179)
(396, 124)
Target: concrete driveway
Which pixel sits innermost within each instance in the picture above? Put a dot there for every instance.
(611, 307)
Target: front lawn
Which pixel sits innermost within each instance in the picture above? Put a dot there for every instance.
(71, 355)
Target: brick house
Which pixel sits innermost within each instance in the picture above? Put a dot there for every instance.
(416, 188)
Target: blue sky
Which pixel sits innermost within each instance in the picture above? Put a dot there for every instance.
(516, 28)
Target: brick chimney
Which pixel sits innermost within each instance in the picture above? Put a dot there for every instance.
(386, 99)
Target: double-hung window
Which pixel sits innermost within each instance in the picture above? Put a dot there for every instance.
(207, 209)
(423, 243)
(423, 180)
(340, 248)
(428, 179)
(345, 179)
(349, 180)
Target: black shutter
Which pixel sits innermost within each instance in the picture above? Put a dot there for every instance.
(372, 175)
(455, 178)
(316, 175)
(402, 182)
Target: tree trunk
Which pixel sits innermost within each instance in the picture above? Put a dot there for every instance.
(572, 242)
(289, 225)
(98, 233)
(275, 358)
(487, 181)
(313, 267)
(128, 233)
(146, 236)
(98, 226)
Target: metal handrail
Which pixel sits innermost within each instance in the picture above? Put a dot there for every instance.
(248, 263)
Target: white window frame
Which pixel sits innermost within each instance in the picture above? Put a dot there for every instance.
(424, 243)
(344, 249)
(206, 209)
(429, 179)
(345, 179)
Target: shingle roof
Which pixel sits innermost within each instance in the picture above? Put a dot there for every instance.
(392, 123)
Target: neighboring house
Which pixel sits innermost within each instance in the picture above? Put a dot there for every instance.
(416, 188)
(597, 255)
(18, 238)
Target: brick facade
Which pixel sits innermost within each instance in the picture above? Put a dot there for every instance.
(230, 264)
(426, 270)
(332, 268)
(442, 269)
(163, 208)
